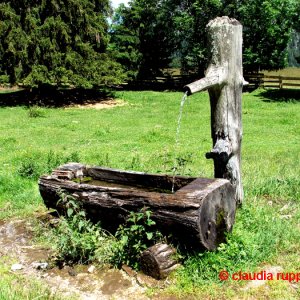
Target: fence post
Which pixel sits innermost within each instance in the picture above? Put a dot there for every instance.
(280, 82)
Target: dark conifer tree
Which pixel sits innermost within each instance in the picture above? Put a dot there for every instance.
(57, 42)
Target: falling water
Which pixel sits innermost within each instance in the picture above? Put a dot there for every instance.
(177, 138)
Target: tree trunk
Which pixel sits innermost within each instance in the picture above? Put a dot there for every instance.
(224, 81)
(198, 214)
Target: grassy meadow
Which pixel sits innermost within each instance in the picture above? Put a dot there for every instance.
(141, 136)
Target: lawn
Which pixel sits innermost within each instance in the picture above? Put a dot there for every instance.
(141, 136)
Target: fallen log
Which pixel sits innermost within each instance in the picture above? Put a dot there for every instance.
(197, 214)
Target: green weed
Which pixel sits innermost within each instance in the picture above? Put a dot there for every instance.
(135, 236)
(181, 164)
(33, 165)
(77, 239)
(35, 112)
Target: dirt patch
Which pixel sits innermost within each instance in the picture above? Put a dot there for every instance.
(9, 89)
(100, 105)
(85, 282)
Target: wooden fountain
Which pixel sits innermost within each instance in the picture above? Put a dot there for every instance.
(201, 210)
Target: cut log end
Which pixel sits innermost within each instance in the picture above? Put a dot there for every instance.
(221, 21)
(159, 261)
(216, 217)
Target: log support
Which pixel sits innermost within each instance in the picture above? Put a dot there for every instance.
(159, 261)
(224, 82)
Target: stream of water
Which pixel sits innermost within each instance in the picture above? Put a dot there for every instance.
(177, 138)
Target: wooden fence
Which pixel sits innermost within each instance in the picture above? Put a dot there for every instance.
(173, 82)
(272, 81)
(177, 82)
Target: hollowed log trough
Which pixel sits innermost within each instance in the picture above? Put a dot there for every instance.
(197, 214)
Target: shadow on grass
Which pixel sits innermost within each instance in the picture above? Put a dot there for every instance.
(50, 97)
(284, 95)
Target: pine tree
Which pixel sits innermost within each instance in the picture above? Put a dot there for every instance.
(142, 37)
(57, 42)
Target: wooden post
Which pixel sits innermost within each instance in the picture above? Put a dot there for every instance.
(224, 81)
(280, 82)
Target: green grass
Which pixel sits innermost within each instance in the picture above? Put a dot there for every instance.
(141, 136)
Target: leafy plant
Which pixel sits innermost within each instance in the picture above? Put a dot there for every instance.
(4, 80)
(180, 164)
(135, 163)
(29, 168)
(34, 164)
(78, 240)
(35, 111)
(135, 236)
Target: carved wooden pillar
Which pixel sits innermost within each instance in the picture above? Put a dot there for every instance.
(224, 81)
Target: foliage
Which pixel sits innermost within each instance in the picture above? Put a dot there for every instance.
(35, 112)
(33, 165)
(266, 39)
(141, 37)
(191, 18)
(78, 240)
(171, 33)
(4, 80)
(124, 42)
(61, 43)
(135, 236)
(180, 164)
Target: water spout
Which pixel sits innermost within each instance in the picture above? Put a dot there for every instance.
(224, 80)
(214, 76)
(200, 85)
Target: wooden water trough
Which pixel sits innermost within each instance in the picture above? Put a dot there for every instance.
(197, 214)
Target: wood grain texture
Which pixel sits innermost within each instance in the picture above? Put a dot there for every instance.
(159, 261)
(224, 81)
(198, 214)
